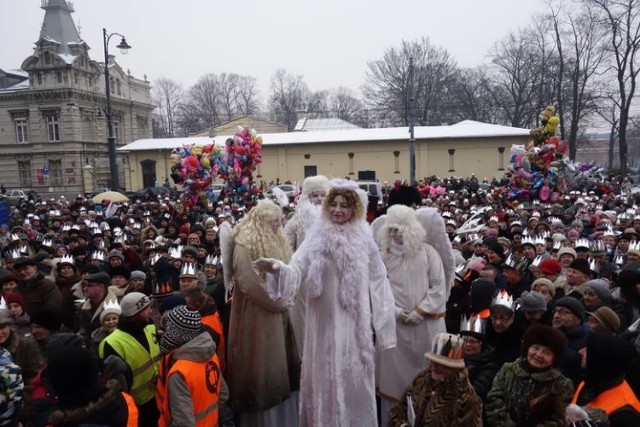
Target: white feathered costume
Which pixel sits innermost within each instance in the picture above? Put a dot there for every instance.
(420, 275)
(348, 293)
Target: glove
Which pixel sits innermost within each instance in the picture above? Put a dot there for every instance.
(267, 265)
(414, 318)
(397, 311)
(404, 315)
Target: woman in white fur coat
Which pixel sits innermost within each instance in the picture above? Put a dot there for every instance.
(348, 293)
(420, 286)
(308, 210)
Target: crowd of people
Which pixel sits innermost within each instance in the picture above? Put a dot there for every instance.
(439, 305)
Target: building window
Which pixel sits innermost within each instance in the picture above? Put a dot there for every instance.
(116, 131)
(452, 151)
(47, 58)
(22, 132)
(396, 160)
(351, 163)
(118, 86)
(24, 173)
(310, 170)
(75, 77)
(39, 78)
(500, 158)
(55, 172)
(59, 76)
(53, 126)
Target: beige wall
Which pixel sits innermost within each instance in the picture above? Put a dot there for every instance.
(479, 156)
(229, 128)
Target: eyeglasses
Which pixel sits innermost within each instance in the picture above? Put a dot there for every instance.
(499, 318)
(562, 312)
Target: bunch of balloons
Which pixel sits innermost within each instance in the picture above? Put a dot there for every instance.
(542, 170)
(196, 167)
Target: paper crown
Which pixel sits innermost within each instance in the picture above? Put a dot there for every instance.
(104, 226)
(24, 250)
(493, 218)
(15, 254)
(474, 324)
(175, 252)
(634, 246)
(137, 226)
(95, 231)
(610, 232)
(504, 299)
(97, 256)
(452, 222)
(593, 266)
(557, 245)
(146, 213)
(14, 237)
(525, 232)
(555, 221)
(47, 242)
(527, 241)
(619, 260)
(540, 240)
(66, 228)
(188, 270)
(582, 243)
(66, 259)
(162, 289)
(211, 260)
(510, 261)
(117, 231)
(111, 304)
(536, 261)
(3, 304)
(447, 350)
(598, 246)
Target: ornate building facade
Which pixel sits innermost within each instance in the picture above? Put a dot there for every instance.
(53, 127)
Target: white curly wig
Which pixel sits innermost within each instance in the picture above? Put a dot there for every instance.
(404, 219)
(312, 184)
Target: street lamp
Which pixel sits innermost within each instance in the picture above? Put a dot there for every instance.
(111, 139)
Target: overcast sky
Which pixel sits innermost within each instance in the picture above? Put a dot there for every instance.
(327, 41)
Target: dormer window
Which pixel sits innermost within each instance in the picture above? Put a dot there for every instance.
(47, 58)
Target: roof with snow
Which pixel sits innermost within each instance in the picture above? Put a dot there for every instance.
(58, 27)
(464, 129)
(310, 125)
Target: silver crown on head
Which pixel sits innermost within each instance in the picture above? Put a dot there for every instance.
(527, 241)
(504, 299)
(211, 260)
(66, 259)
(582, 243)
(634, 246)
(539, 240)
(536, 261)
(593, 266)
(447, 345)
(3, 304)
(98, 256)
(188, 269)
(473, 324)
(619, 260)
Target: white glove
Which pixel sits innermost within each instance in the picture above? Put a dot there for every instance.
(414, 318)
(267, 265)
(404, 315)
(397, 311)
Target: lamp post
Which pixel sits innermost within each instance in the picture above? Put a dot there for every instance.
(111, 139)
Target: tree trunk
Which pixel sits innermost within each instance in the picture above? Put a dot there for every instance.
(622, 140)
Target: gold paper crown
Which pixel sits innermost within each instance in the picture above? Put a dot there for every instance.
(188, 270)
(473, 324)
(504, 299)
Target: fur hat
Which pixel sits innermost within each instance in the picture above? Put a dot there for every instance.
(446, 350)
(600, 288)
(550, 266)
(532, 301)
(181, 326)
(582, 265)
(6, 317)
(120, 270)
(318, 183)
(572, 305)
(607, 318)
(547, 336)
(190, 250)
(404, 219)
(133, 303)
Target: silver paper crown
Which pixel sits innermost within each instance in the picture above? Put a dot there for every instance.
(557, 245)
(634, 246)
(510, 261)
(536, 261)
(175, 252)
(447, 345)
(211, 260)
(97, 256)
(517, 222)
(609, 232)
(146, 213)
(188, 269)
(593, 266)
(527, 241)
(137, 226)
(47, 242)
(598, 246)
(3, 304)
(493, 218)
(104, 226)
(117, 231)
(525, 232)
(582, 243)
(14, 237)
(619, 260)
(540, 240)
(66, 259)
(24, 250)
(15, 254)
(473, 324)
(504, 299)
(111, 304)
(96, 231)
(66, 228)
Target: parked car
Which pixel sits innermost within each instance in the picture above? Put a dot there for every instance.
(289, 190)
(14, 196)
(148, 193)
(373, 188)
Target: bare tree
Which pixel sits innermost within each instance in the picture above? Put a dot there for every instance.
(288, 93)
(621, 21)
(247, 96)
(346, 106)
(472, 98)
(167, 96)
(387, 83)
(609, 110)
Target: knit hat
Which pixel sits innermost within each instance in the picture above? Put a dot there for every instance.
(547, 336)
(63, 339)
(600, 288)
(550, 266)
(137, 274)
(190, 250)
(607, 318)
(133, 303)
(48, 319)
(17, 298)
(567, 250)
(115, 253)
(545, 282)
(582, 265)
(532, 301)
(572, 305)
(110, 307)
(446, 350)
(492, 244)
(181, 326)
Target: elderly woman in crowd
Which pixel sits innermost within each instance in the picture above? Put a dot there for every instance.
(531, 391)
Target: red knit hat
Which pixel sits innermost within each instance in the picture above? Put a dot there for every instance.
(550, 266)
(15, 297)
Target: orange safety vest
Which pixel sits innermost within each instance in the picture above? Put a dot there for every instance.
(204, 381)
(132, 408)
(214, 322)
(613, 399)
